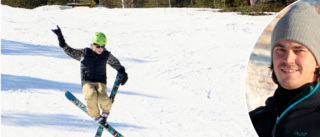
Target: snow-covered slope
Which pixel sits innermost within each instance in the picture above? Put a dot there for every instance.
(186, 71)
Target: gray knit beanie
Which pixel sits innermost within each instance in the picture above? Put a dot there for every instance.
(301, 24)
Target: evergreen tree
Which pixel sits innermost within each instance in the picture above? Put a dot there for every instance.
(30, 4)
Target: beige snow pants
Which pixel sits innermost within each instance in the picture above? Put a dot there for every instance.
(96, 94)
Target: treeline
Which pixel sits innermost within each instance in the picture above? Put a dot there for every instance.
(30, 4)
(223, 4)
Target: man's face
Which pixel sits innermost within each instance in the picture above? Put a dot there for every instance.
(98, 48)
(293, 63)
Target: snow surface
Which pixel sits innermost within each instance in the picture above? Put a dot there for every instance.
(186, 71)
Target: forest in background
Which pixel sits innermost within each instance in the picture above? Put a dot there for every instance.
(253, 7)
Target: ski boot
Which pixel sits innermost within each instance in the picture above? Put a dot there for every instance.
(102, 119)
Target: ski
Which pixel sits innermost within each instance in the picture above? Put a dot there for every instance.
(83, 107)
(112, 96)
(115, 87)
(99, 131)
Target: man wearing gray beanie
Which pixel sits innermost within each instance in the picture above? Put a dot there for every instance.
(294, 109)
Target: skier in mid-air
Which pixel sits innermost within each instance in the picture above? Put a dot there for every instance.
(94, 73)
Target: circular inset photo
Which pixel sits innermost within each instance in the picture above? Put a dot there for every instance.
(282, 78)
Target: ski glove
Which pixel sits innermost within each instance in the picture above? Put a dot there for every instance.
(58, 32)
(122, 71)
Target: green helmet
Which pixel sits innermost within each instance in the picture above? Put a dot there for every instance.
(99, 38)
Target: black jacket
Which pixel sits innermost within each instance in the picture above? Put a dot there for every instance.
(93, 66)
(300, 117)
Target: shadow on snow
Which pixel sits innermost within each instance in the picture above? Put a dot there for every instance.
(12, 82)
(135, 60)
(136, 94)
(19, 48)
(263, 58)
(60, 120)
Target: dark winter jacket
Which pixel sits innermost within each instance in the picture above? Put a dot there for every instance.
(93, 66)
(300, 117)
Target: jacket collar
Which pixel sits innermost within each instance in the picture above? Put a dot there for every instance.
(309, 97)
(312, 98)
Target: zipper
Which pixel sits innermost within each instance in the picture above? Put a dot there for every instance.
(290, 107)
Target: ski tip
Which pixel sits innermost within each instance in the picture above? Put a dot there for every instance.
(69, 95)
(67, 92)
